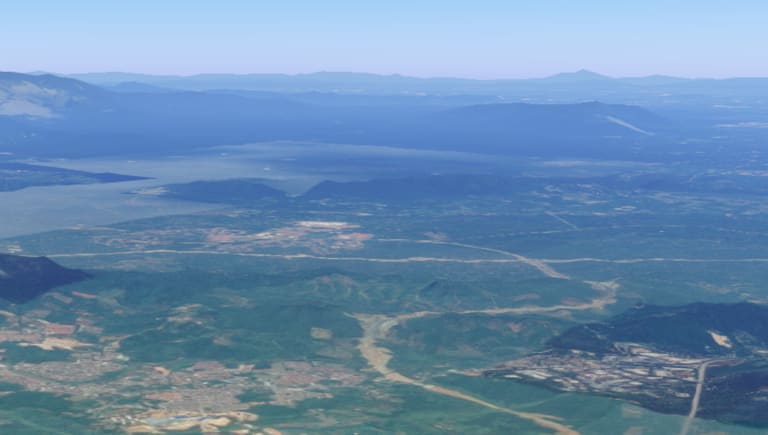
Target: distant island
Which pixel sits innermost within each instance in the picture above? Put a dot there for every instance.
(701, 359)
(25, 278)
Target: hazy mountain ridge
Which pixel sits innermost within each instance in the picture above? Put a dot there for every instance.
(75, 119)
(534, 125)
(43, 96)
(365, 83)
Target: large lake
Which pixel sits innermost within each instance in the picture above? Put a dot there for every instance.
(292, 167)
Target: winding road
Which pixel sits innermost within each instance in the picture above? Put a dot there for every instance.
(376, 327)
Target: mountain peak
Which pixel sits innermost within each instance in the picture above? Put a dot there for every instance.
(580, 75)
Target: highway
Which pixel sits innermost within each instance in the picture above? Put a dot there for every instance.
(696, 398)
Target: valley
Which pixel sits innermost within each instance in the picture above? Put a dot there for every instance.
(281, 305)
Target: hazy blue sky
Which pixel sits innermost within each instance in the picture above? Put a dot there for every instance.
(472, 38)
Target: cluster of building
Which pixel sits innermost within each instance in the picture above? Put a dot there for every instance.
(142, 397)
(320, 237)
(634, 370)
(317, 236)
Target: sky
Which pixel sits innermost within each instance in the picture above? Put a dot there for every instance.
(472, 38)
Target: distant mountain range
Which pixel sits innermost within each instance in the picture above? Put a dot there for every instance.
(56, 115)
(364, 83)
(46, 115)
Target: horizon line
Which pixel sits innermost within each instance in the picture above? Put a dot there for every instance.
(582, 71)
